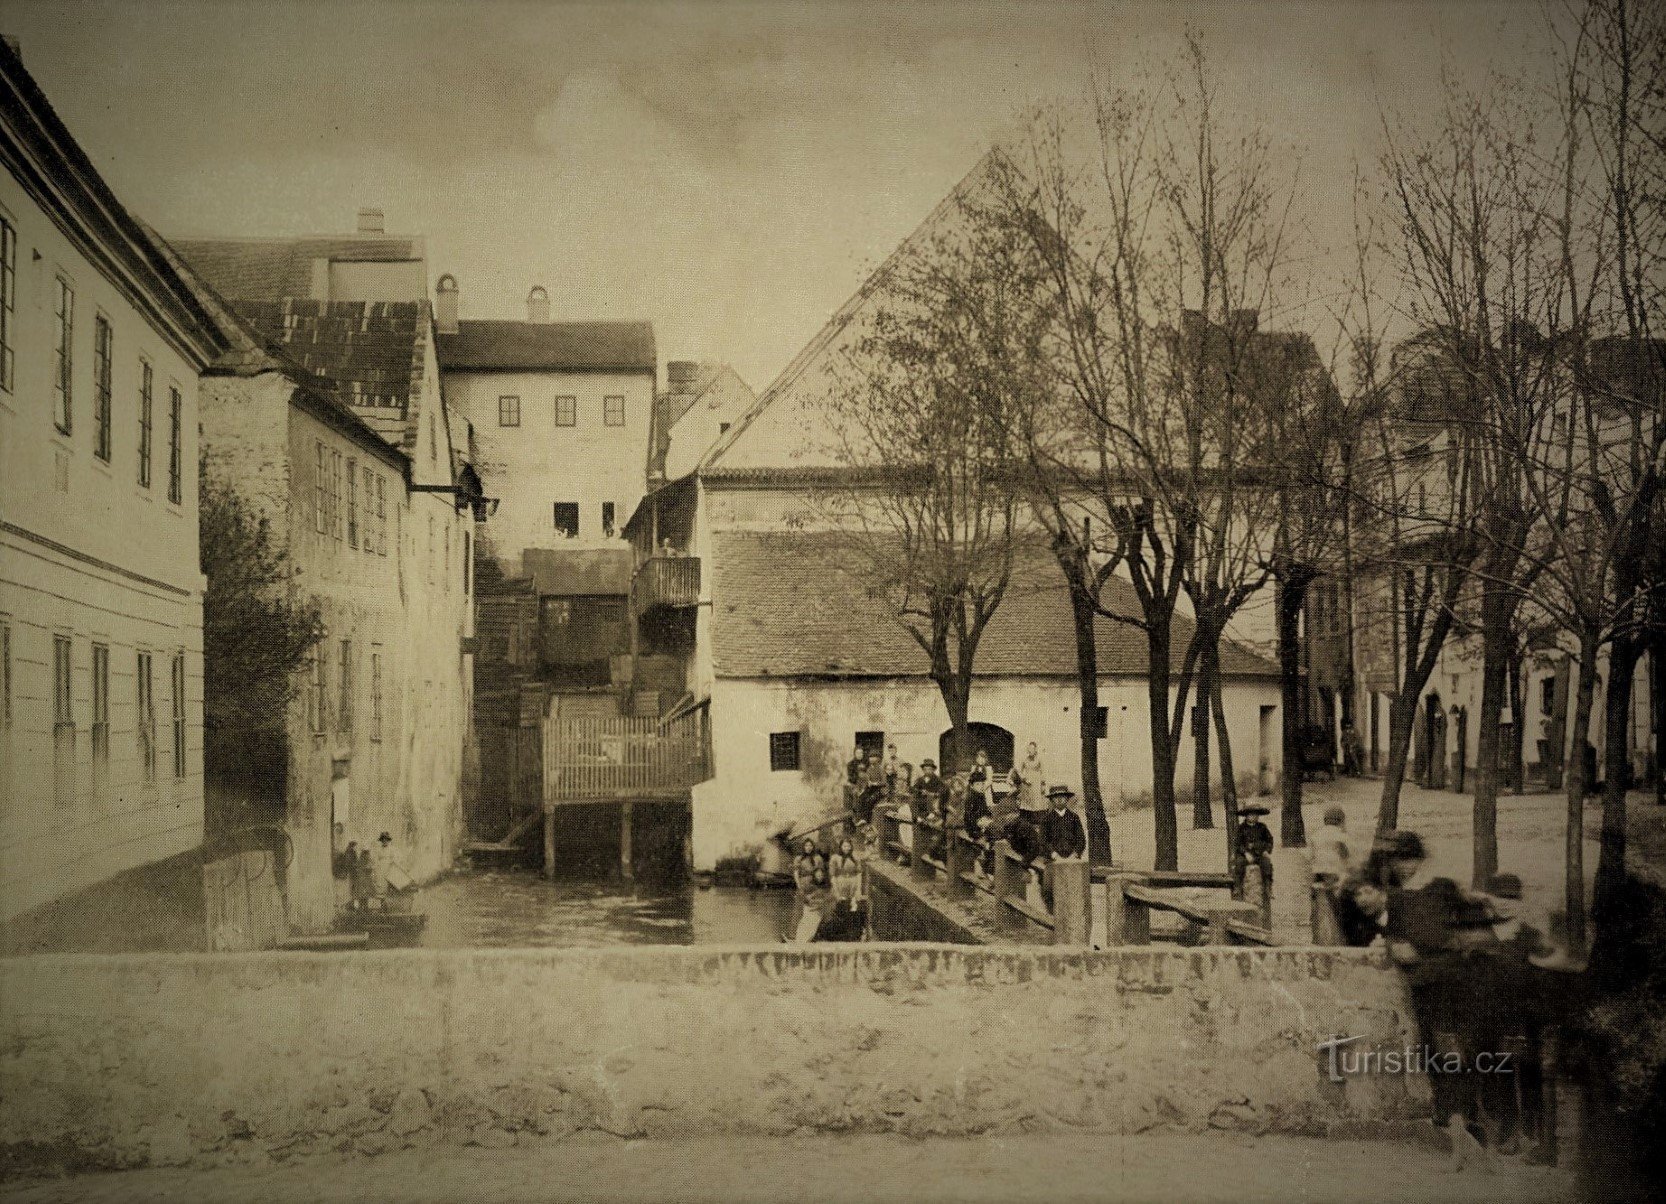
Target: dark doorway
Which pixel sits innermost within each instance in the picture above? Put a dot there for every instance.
(992, 739)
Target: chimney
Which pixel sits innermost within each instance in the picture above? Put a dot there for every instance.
(679, 376)
(538, 304)
(445, 304)
(370, 221)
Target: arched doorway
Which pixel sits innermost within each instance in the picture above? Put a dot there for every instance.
(991, 738)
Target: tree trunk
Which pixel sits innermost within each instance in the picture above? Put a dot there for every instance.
(1556, 731)
(1574, 848)
(1497, 639)
(1402, 715)
(1657, 709)
(1229, 779)
(1611, 856)
(1157, 639)
(1514, 755)
(958, 703)
(1087, 680)
(1203, 813)
(1289, 598)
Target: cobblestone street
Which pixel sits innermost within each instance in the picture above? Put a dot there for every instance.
(842, 1170)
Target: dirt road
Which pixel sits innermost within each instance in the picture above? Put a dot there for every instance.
(843, 1170)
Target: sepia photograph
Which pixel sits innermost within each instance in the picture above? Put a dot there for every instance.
(1136, 527)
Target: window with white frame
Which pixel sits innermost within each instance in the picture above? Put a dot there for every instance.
(102, 340)
(63, 346)
(178, 685)
(101, 703)
(566, 411)
(335, 494)
(381, 518)
(8, 299)
(147, 385)
(315, 695)
(176, 449)
(375, 691)
(352, 502)
(508, 410)
(320, 490)
(344, 704)
(613, 411)
(145, 697)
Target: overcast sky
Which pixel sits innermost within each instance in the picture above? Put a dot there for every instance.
(729, 171)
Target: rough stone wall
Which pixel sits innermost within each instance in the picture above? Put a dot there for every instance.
(164, 1059)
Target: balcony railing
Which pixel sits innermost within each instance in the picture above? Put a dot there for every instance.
(617, 758)
(666, 581)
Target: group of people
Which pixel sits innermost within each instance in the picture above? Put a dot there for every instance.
(831, 903)
(1484, 984)
(366, 878)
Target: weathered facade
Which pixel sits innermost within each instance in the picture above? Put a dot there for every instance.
(101, 348)
(341, 437)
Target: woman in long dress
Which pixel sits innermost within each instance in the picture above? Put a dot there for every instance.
(818, 901)
(1031, 777)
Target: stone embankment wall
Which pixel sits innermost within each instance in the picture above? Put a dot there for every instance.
(128, 1060)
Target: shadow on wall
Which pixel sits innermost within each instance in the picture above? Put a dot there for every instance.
(156, 908)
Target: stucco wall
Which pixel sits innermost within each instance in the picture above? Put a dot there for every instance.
(89, 553)
(533, 466)
(163, 1058)
(745, 802)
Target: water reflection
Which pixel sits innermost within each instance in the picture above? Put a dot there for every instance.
(519, 908)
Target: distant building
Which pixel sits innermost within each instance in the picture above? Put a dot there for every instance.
(331, 420)
(101, 349)
(700, 403)
(561, 413)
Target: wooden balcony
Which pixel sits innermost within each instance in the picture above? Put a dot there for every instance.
(669, 581)
(602, 759)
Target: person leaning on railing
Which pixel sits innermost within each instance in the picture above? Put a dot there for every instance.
(1063, 835)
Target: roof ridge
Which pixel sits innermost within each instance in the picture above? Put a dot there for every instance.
(841, 317)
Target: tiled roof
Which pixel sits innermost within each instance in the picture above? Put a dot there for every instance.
(782, 607)
(265, 269)
(549, 346)
(367, 348)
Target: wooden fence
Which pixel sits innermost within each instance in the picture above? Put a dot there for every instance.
(598, 759)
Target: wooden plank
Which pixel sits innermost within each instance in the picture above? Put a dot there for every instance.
(1029, 911)
(1242, 932)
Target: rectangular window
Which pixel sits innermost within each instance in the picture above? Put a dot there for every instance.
(352, 502)
(375, 691)
(320, 492)
(335, 494)
(566, 411)
(369, 511)
(315, 696)
(1547, 697)
(146, 718)
(63, 339)
(63, 725)
(101, 387)
(101, 703)
(607, 519)
(613, 411)
(8, 300)
(783, 751)
(566, 519)
(508, 411)
(344, 704)
(381, 518)
(179, 714)
(147, 381)
(176, 433)
(871, 744)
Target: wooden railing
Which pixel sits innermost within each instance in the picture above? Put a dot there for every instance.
(914, 843)
(597, 759)
(666, 581)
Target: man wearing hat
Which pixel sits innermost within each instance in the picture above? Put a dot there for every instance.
(1061, 827)
(1255, 847)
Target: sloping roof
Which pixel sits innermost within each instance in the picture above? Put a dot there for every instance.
(581, 572)
(782, 607)
(549, 346)
(266, 269)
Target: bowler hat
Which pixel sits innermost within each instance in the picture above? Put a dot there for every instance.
(1254, 809)
(1060, 791)
(928, 763)
(1504, 886)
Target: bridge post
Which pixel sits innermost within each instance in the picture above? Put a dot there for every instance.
(919, 846)
(625, 842)
(957, 857)
(549, 841)
(1326, 930)
(1009, 880)
(1072, 908)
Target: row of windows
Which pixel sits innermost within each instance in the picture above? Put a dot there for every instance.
(566, 410)
(67, 724)
(63, 374)
(318, 697)
(354, 506)
(567, 519)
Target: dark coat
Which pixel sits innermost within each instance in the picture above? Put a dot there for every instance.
(1255, 839)
(1063, 834)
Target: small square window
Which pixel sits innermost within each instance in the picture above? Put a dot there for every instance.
(783, 752)
(566, 519)
(613, 411)
(607, 519)
(508, 411)
(566, 411)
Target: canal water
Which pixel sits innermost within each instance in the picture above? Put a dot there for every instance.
(517, 907)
